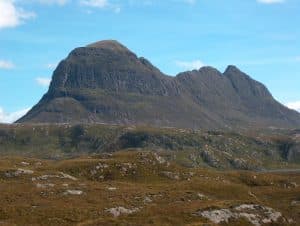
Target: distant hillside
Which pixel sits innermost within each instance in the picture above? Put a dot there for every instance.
(106, 83)
(191, 148)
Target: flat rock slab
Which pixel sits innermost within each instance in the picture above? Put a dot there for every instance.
(255, 214)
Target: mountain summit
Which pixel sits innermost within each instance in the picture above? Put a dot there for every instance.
(105, 82)
(109, 44)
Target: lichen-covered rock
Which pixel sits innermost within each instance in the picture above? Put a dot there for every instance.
(170, 175)
(255, 214)
(73, 192)
(61, 175)
(159, 159)
(18, 172)
(210, 158)
(117, 211)
(112, 188)
(45, 186)
(147, 200)
(67, 176)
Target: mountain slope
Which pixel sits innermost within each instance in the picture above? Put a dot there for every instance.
(106, 83)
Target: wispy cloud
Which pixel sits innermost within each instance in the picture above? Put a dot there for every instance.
(43, 81)
(4, 64)
(152, 2)
(52, 2)
(51, 65)
(270, 1)
(294, 105)
(101, 4)
(190, 65)
(12, 16)
(13, 116)
(94, 3)
(191, 2)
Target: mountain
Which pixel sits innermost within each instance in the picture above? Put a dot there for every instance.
(105, 82)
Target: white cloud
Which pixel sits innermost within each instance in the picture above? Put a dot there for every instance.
(270, 1)
(190, 65)
(52, 2)
(101, 4)
(95, 3)
(13, 116)
(42, 81)
(12, 16)
(141, 3)
(6, 64)
(152, 2)
(51, 65)
(294, 105)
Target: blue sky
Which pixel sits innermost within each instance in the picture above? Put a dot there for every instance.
(261, 37)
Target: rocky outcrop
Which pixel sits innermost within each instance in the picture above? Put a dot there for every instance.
(255, 214)
(294, 153)
(120, 210)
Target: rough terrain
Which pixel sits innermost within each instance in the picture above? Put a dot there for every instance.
(256, 150)
(141, 188)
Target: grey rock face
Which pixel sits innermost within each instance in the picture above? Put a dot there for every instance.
(106, 83)
(294, 153)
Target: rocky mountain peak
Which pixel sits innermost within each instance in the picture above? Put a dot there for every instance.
(232, 69)
(108, 44)
(209, 69)
(246, 86)
(106, 82)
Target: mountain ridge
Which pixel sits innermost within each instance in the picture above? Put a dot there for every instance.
(105, 82)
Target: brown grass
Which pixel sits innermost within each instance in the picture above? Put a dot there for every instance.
(173, 201)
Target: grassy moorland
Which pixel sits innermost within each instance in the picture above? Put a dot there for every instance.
(141, 188)
(114, 175)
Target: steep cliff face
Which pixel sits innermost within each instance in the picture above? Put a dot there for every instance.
(258, 101)
(109, 65)
(106, 83)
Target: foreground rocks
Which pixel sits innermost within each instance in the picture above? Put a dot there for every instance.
(73, 192)
(18, 172)
(61, 175)
(117, 211)
(255, 214)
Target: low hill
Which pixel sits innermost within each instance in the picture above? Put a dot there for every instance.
(190, 148)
